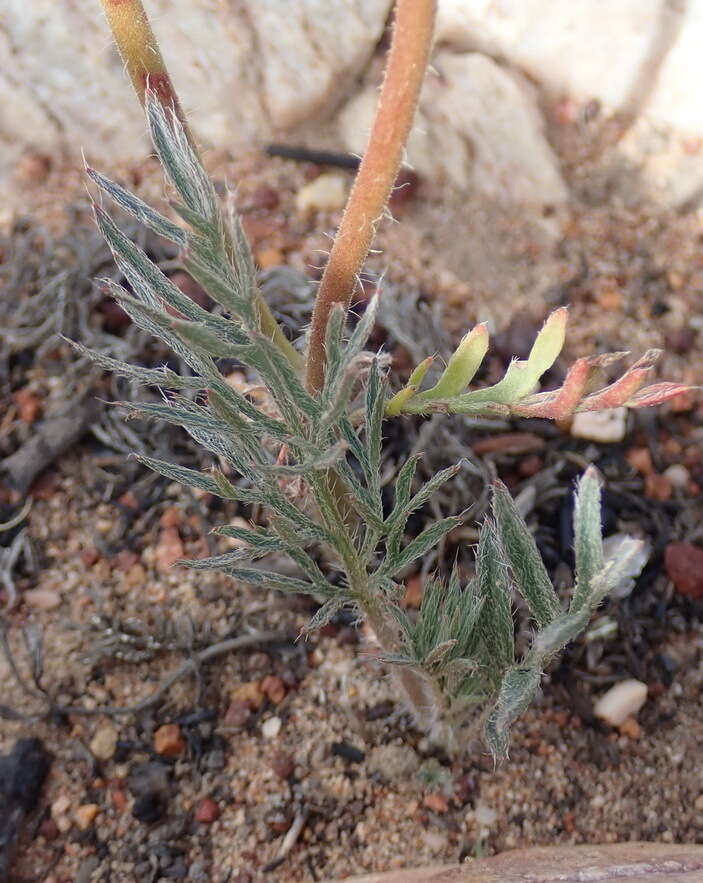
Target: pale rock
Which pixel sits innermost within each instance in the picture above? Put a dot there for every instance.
(605, 427)
(478, 126)
(326, 193)
(42, 599)
(243, 70)
(59, 813)
(620, 702)
(60, 806)
(396, 763)
(485, 816)
(104, 742)
(85, 815)
(561, 45)
(678, 475)
(271, 727)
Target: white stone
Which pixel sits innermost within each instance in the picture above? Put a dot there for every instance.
(478, 126)
(242, 69)
(600, 426)
(271, 727)
(42, 599)
(326, 193)
(565, 46)
(104, 742)
(485, 815)
(620, 702)
(678, 475)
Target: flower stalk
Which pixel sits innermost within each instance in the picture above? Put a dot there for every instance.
(405, 71)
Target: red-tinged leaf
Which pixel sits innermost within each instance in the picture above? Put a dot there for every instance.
(622, 390)
(559, 403)
(658, 393)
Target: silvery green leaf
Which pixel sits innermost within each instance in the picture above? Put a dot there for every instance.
(319, 463)
(403, 488)
(363, 329)
(428, 489)
(179, 160)
(333, 352)
(554, 637)
(276, 500)
(282, 381)
(138, 209)
(325, 614)
(337, 405)
(293, 542)
(518, 687)
(437, 656)
(588, 542)
(200, 224)
(203, 339)
(496, 620)
(271, 580)
(161, 377)
(374, 423)
(613, 549)
(218, 281)
(419, 546)
(621, 567)
(256, 538)
(147, 280)
(360, 498)
(523, 557)
(359, 451)
(189, 477)
(227, 559)
(225, 400)
(155, 321)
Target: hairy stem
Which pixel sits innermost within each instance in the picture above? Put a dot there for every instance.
(145, 65)
(407, 61)
(141, 54)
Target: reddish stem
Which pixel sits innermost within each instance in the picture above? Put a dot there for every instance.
(407, 62)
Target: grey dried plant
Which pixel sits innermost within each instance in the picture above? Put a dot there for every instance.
(310, 452)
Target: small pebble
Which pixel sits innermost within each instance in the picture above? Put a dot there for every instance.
(104, 742)
(42, 599)
(273, 688)
(678, 475)
(436, 802)
(85, 815)
(169, 548)
(237, 714)
(327, 192)
(283, 765)
(658, 487)
(249, 693)
(631, 728)
(620, 702)
(60, 806)
(606, 427)
(485, 816)
(684, 567)
(207, 811)
(168, 740)
(271, 727)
